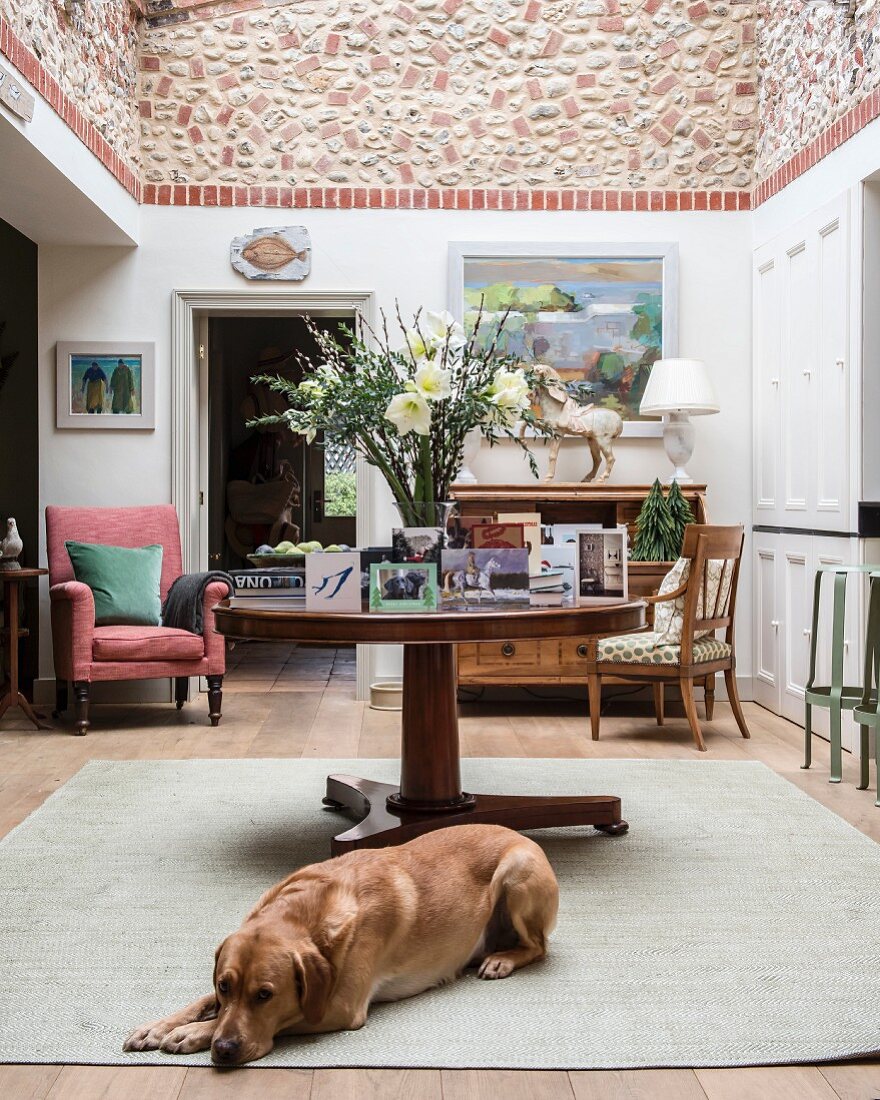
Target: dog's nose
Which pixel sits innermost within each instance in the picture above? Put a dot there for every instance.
(225, 1050)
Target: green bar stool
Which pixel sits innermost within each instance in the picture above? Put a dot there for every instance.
(836, 696)
(865, 711)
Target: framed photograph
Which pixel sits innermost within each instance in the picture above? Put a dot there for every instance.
(403, 586)
(417, 543)
(599, 314)
(601, 564)
(485, 578)
(333, 582)
(107, 385)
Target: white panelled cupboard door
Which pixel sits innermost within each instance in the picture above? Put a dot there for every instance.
(767, 342)
(831, 382)
(798, 293)
(797, 590)
(767, 616)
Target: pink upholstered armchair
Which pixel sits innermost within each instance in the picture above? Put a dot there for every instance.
(85, 653)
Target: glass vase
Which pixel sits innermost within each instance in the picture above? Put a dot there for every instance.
(426, 513)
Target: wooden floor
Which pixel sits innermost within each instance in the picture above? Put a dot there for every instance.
(326, 721)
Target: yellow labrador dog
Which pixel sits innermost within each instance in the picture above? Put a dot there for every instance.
(372, 925)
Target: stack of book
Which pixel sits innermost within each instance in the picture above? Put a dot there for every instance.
(281, 582)
(549, 589)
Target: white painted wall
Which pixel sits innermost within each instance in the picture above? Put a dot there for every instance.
(53, 189)
(106, 293)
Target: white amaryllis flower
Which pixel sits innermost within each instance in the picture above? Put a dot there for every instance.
(509, 389)
(442, 328)
(435, 331)
(308, 433)
(432, 381)
(409, 412)
(311, 387)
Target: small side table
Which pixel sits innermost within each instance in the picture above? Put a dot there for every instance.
(12, 579)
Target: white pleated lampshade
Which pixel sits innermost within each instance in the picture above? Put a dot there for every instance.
(679, 385)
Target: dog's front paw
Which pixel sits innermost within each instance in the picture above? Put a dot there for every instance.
(147, 1037)
(495, 966)
(188, 1038)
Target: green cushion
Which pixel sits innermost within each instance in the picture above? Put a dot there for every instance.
(124, 582)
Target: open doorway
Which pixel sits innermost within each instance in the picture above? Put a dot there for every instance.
(267, 486)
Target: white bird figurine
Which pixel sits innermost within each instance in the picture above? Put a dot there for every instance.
(11, 546)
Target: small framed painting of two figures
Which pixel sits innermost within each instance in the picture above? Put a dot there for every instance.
(105, 385)
(600, 315)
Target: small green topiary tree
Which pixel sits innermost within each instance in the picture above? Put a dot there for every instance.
(655, 531)
(681, 514)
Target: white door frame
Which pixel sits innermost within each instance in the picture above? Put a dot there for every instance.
(188, 307)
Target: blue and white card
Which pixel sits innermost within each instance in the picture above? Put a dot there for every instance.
(333, 582)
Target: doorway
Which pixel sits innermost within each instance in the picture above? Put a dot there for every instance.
(192, 311)
(267, 486)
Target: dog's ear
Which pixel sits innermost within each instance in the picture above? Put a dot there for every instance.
(333, 935)
(315, 979)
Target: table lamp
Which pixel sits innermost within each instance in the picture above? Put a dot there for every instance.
(679, 389)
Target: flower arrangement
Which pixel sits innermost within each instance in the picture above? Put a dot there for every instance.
(408, 408)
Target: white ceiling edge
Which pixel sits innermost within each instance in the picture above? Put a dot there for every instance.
(54, 190)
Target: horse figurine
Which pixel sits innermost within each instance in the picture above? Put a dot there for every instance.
(461, 582)
(598, 426)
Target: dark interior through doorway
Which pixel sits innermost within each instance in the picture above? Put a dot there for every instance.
(269, 486)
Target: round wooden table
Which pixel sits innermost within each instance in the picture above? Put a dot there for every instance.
(429, 795)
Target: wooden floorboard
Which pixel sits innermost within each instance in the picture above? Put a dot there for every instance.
(302, 708)
(636, 1084)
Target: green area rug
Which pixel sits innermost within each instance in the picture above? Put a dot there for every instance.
(735, 924)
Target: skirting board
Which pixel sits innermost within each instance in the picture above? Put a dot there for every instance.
(120, 691)
(159, 691)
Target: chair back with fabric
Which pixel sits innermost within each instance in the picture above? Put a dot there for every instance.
(710, 600)
(147, 525)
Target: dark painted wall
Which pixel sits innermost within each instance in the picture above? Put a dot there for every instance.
(18, 413)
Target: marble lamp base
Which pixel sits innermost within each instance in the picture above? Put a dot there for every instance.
(678, 439)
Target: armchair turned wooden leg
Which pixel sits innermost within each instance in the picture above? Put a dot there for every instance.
(215, 699)
(594, 686)
(658, 702)
(733, 696)
(181, 690)
(710, 697)
(60, 698)
(690, 709)
(81, 695)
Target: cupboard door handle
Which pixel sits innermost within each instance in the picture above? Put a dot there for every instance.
(774, 623)
(582, 651)
(808, 374)
(508, 649)
(774, 381)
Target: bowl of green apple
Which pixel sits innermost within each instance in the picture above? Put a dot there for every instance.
(289, 553)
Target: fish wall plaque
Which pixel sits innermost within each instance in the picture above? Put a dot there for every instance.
(277, 252)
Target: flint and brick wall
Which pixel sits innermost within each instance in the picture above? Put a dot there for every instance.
(818, 83)
(513, 96)
(85, 57)
(452, 104)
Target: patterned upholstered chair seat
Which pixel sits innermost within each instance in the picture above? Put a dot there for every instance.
(649, 648)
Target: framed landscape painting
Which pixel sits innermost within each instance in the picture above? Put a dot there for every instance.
(600, 315)
(101, 384)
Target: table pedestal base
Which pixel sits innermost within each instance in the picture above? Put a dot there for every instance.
(386, 820)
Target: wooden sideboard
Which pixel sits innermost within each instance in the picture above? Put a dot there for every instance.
(506, 663)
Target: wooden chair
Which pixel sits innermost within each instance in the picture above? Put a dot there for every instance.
(682, 647)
